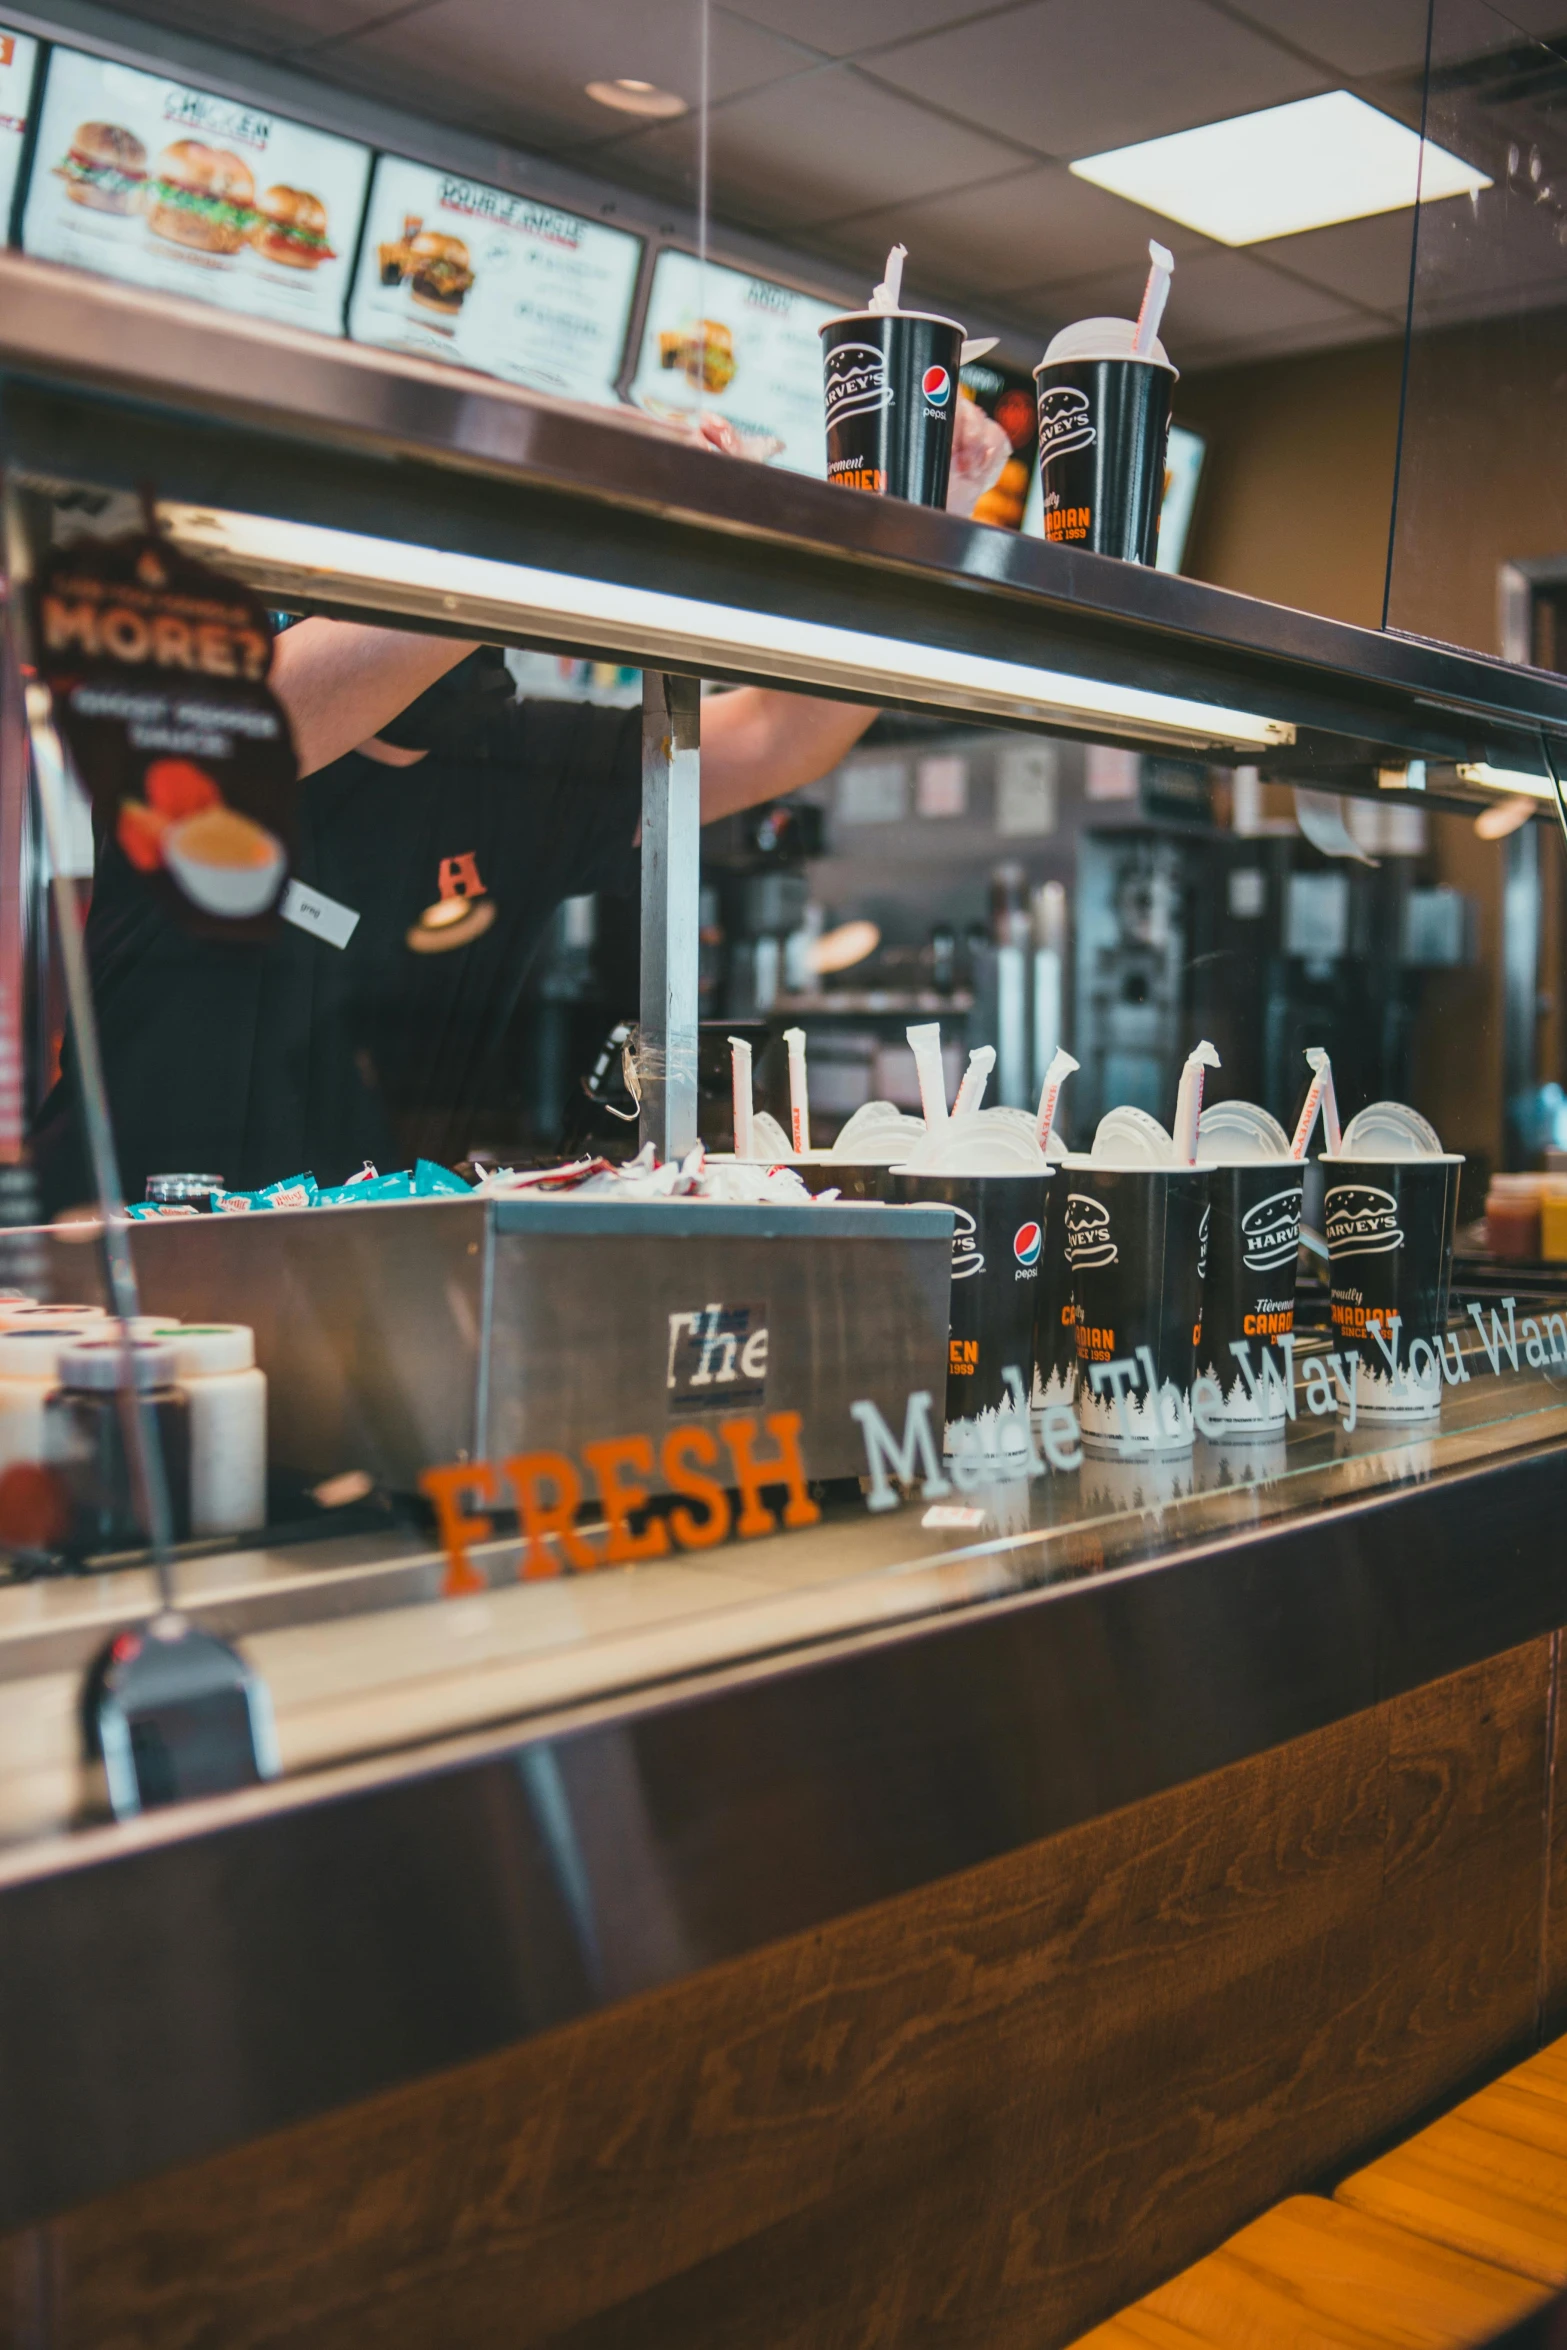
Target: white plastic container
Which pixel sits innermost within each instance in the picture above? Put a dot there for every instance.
(215, 1365)
(28, 1361)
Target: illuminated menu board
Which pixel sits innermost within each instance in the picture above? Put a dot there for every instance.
(758, 362)
(158, 185)
(18, 57)
(469, 273)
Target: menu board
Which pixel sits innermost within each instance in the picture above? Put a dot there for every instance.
(18, 56)
(145, 180)
(741, 347)
(494, 281)
(1182, 472)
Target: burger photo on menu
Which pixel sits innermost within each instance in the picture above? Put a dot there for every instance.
(436, 269)
(290, 228)
(105, 169)
(201, 197)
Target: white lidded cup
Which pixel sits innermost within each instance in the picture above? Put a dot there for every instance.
(1104, 428)
(215, 1364)
(1248, 1306)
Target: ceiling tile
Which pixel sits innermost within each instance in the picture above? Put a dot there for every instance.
(820, 146)
(1218, 297)
(1070, 80)
(866, 24)
(1365, 261)
(1035, 225)
(524, 70)
(268, 28)
(1246, 348)
(1389, 36)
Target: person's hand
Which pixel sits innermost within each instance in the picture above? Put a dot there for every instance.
(716, 432)
(980, 449)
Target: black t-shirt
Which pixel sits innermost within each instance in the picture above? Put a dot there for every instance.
(253, 1062)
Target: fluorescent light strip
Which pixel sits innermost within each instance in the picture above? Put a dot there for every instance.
(1513, 780)
(288, 559)
(1282, 171)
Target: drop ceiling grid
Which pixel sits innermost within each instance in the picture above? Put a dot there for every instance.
(841, 124)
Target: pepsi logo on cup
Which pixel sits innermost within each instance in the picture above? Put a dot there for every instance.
(936, 384)
(1027, 1242)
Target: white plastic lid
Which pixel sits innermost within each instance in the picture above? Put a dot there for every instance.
(202, 1349)
(1129, 1137)
(34, 1353)
(1390, 1130)
(47, 1317)
(969, 1148)
(878, 1134)
(1240, 1134)
(1102, 338)
(94, 1365)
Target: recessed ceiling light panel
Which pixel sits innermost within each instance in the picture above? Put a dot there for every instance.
(1284, 170)
(643, 98)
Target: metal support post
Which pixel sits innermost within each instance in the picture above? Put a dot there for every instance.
(671, 909)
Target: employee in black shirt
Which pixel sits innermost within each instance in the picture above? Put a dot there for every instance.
(425, 780)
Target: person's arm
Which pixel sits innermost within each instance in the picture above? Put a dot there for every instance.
(341, 682)
(758, 744)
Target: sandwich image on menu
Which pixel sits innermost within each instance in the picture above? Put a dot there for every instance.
(435, 268)
(183, 191)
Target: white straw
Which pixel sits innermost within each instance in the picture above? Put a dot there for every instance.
(1155, 295)
(1060, 1069)
(1319, 1092)
(799, 1098)
(926, 1043)
(890, 292)
(1188, 1102)
(740, 1079)
(972, 1091)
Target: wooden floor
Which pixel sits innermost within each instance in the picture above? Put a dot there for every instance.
(983, 2116)
(1441, 2243)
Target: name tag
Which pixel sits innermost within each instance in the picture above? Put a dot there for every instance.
(323, 917)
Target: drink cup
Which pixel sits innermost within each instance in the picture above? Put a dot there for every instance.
(1104, 424)
(1390, 1225)
(890, 382)
(1136, 1241)
(855, 1179)
(996, 1252)
(1253, 1244)
(1055, 1318)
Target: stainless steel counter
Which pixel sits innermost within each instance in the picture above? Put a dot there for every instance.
(502, 1818)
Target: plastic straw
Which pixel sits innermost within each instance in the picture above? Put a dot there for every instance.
(1060, 1069)
(926, 1044)
(972, 1091)
(799, 1098)
(890, 292)
(740, 1079)
(1318, 1096)
(1155, 295)
(1188, 1102)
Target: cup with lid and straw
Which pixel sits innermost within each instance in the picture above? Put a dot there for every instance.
(1390, 1208)
(890, 381)
(1104, 390)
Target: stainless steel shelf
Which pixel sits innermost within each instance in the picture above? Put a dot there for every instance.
(100, 384)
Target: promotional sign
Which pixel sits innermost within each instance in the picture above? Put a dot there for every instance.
(162, 186)
(157, 667)
(740, 347)
(459, 271)
(18, 57)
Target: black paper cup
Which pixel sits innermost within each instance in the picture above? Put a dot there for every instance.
(1055, 1319)
(1390, 1225)
(890, 383)
(996, 1252)
(1136, 1240)
(1103, 429)
(1249, 1296)
(863, 1179)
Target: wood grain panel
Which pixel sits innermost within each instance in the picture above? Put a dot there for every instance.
(1315, 2272)
(989, 2113)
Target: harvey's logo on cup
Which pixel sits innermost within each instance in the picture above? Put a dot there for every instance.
(1088, 1241)
(854, 381)
(1270, 1232)
(1066, 422)
(968, 1258)
(1362, 1221)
